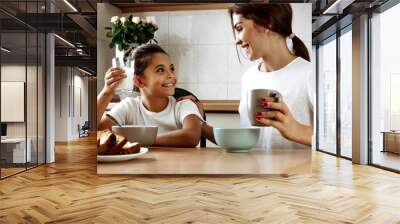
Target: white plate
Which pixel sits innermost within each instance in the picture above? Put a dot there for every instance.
(117, 158)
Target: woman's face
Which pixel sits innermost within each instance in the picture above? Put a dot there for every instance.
(159, 77)
(250, 36)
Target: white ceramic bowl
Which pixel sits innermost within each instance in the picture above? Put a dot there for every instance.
(144, 134)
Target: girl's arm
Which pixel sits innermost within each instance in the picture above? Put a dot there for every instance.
(112, 79)
(208, 132)
(103, 99)
(188, 136)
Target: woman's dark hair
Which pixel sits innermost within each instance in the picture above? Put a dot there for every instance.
(142, 56)
(276, 17)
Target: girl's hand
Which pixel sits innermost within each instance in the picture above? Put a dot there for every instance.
(282, 119)
(192, 98)
(113, 77)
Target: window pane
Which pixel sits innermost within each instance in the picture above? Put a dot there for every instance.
(346, 93)
(31, 97)
(327, 97)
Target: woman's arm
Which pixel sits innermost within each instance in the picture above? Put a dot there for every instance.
(113, 77)
(188, 136)
(282, 119)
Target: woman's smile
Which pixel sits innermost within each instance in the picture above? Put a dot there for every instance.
(247, 48)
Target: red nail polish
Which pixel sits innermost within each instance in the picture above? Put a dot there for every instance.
(258, 114)
(263, 104)
(258, 118)
(263, 100)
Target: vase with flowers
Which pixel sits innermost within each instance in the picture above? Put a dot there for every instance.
(126, 34)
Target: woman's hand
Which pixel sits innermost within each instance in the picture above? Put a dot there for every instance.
(282, 119)
(113, 77)
(192, 98)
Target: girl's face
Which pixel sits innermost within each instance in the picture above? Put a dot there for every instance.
(250, 36)
(159, 77)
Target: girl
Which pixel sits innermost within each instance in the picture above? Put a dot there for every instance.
(179, 124)
(264, 31)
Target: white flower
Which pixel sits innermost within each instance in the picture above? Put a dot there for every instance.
(123, 20)
(114, 19)
(151, 19)
(136, 19)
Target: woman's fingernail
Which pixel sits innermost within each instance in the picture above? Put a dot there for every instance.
(263, 100)
(258, 114)
(258, 118)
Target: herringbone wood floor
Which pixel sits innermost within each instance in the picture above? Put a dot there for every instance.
(70, 191)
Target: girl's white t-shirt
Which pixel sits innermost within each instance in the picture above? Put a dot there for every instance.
(295, 82)
(131, 111)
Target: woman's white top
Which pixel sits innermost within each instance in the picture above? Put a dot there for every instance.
(131, 111)
(296, 83)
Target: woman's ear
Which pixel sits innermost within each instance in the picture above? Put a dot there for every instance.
(138, 81)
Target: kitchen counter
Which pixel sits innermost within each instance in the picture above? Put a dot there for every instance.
(212, 161)
(220, 106)
(213, 106)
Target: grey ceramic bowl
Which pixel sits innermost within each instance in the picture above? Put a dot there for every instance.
(237, 139)
(144, 134)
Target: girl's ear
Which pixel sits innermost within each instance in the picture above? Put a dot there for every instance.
(138, 81)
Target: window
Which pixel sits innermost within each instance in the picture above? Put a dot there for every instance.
(327, 96)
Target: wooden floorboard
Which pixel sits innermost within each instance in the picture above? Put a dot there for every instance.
(70, 191)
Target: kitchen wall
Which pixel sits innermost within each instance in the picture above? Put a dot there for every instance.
(104, 54)
(201, 45)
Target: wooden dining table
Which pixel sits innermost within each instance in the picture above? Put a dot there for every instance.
(165, 160)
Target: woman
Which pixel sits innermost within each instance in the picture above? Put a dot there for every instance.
(264, 31)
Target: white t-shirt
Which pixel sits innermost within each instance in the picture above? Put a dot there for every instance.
(131, 111)
(295, 82)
